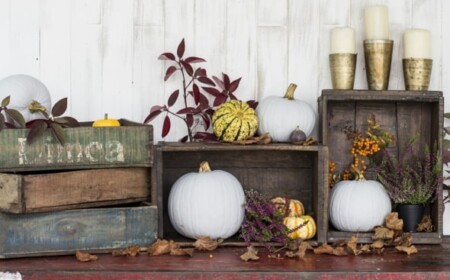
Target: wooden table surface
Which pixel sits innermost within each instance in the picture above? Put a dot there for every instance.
(431, 262)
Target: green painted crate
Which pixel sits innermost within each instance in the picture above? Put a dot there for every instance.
(85, 147)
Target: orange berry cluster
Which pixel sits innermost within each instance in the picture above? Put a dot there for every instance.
(365, 146)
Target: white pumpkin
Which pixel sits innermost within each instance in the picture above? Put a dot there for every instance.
(206, 203)
(358, 206)
(279, 116)
(23, 90)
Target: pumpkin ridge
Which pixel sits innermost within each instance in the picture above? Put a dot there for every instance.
(225, 129)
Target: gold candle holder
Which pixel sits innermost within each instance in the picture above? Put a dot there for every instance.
(378, 57)
(417, 73)
(342, 69)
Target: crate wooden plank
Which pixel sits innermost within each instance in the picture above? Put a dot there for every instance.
(64, 232)
(274, 170)
(75, 189)
(85, 147)
(404, 114)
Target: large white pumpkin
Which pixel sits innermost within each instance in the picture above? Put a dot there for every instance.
(206, 203)
(279, 116)
(358, 206)
(23, 90)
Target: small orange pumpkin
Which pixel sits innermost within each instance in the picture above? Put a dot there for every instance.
(106, 122)
(294, 209)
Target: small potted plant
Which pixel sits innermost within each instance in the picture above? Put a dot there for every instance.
(412, 181)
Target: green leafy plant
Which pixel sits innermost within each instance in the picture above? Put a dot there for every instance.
(200, 95)
(15, 115)
(410, 178)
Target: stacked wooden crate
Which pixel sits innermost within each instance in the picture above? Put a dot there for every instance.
(92, 194)
(404, 114)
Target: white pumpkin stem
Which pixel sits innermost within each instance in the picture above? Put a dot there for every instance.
(106, 116)
(204, 167)
(35, 106)
(290, 92)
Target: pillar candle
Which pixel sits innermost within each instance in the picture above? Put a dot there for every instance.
(343, 40)
(417, 43)
(376, 23)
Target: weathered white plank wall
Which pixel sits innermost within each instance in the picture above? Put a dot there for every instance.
(102, 54)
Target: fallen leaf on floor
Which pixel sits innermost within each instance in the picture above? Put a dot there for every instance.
(352, 246)
(261, 140)
(131, 251)
(377, 244)
(405, 240)
(393, 221)
(207, 244)
(382, 233)
(85, 257)
(426, 225)
(160, 247)
(300, 252)
(250, 255)
(327, 249)
(407, 249)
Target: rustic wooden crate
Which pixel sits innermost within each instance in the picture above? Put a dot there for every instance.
(402, 113)
(298, 172)
(41, 192)
(64, 232)
(85, 147)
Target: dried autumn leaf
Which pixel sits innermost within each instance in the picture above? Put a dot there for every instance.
(407, 249)
(207, 244)
(382, 233)
(85, 257)
(352, 246)
(426, 225)
(131, 251)
(308, 142)
(405, 240)
(182, 252)
(327, 249)
(160, 247)
(250, 255)
(263, 139)
(377, 244)
(365, 248)
(393, 222)
(301, 251)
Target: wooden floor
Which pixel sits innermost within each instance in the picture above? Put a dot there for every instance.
(431, 262)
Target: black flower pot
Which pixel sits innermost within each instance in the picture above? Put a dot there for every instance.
(411, 214)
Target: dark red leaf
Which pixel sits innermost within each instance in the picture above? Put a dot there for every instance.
(205, 136)
(194, 59)
(16, 116)
(196, 94)
(189, 120)
(252, 103)
(232, 96)
(210, 112)
(180, 49)
(184, 139)
(58, 132)
(67, 122)
(234, 85)
(211, 90)
(166, 126)
(206, 121)
(200, 72)
(187, 67)
(204, 102)
(206, 80)
(173, 98)
(5, 101)
(220, 99)
(37, 129)
(219, 82)
(167, 56)
(169, 72)
(226, 81)
(60, 107)
(187, 110)
(154, 112)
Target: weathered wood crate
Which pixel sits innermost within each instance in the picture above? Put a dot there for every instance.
(41, 192)
(85, 147)
(64, 232)
(403, 113)
(297, 172)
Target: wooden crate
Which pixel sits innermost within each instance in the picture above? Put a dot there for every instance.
(64, 232)
(75, 189)
(298, 172)
(85, 147)
(402, 113)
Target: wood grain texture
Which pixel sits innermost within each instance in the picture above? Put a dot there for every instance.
(64, 232)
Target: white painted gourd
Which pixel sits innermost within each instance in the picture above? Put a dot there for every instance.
(358, 206)
(206, 203)
(23, 90)
(279, 116)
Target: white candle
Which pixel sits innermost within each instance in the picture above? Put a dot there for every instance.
(376, 23)
(417, 43)
(343, 40)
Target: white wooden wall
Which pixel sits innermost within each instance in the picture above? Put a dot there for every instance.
(102, 54)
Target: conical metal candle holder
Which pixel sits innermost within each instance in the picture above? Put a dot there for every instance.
(378, 57)
(417, 73)
(342, 70)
